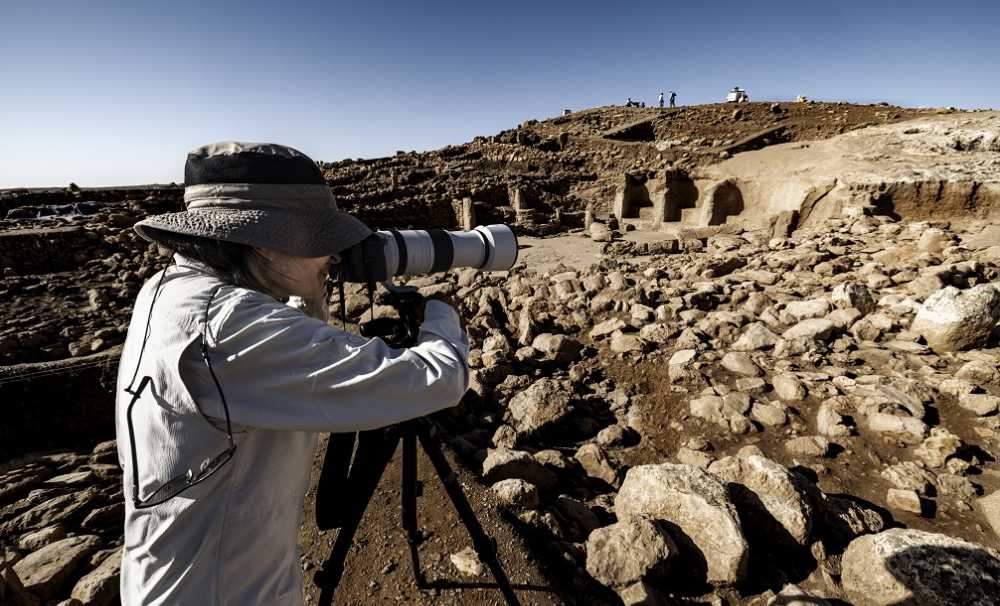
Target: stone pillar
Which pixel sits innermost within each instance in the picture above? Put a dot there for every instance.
(467, 215)
(588, 217)
(520, 204)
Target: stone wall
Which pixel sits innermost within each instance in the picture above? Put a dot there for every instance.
(49, 249)
(64, 404)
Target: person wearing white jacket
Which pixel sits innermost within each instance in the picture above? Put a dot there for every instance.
(222, 386)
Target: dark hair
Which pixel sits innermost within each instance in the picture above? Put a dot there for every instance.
(228, 260)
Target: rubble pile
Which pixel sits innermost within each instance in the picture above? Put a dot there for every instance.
(763, 411)
(61, 519)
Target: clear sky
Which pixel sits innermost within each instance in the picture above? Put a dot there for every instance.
(111, 93)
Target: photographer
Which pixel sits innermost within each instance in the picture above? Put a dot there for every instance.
(223, 386)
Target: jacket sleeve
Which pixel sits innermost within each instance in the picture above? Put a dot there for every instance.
(281, 369)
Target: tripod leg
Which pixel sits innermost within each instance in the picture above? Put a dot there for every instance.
(409, 504)
(374, 452)
(331, 509)
(483, 545)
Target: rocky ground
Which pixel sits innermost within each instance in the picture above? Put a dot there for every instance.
(707, 415)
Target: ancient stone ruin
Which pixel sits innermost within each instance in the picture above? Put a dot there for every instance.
(748, 356)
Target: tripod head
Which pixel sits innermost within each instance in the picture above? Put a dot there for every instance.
(397, 332)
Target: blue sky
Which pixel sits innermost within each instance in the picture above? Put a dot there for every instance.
(111, 93)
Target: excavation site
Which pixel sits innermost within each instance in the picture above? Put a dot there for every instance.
(748, 355)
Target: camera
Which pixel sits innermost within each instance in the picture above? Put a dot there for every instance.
(389, 253)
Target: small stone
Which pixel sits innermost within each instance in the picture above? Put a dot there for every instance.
(831, 423)
(989, 506)
(694, 458)
(515, 493)
(503, 464)
(909, 476)
(849, 295)
(467, 562)
(788, 388)
(803, 310)
(560, 348)
(614, 435)
(741, 364)
(626, 343)
(904, 500)
(816, 329)
(606, 328)
(938, 447)
(708, 408)
(772, 415)
(979, 372)
(596, 463)
(980, 404)
(808, 446)
(793, 595)
(643, 593)
(540, 407)
(756, 336)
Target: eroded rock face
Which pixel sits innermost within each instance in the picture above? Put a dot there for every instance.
(953, 319)
(901, 566)
(694, 502)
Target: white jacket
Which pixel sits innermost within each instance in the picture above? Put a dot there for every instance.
(232, 538)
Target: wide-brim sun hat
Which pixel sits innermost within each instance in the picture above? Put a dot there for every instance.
(259, 194)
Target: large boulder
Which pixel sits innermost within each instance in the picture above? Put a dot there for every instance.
(771, 501)
(903, 566)
(696, 505)
(953, 319)
(539, 407)
(629, 551)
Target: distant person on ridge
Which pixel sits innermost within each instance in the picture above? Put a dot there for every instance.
(673, 98)
(661, 99)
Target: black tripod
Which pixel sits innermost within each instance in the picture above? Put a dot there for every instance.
(372, 451)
